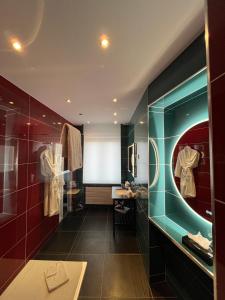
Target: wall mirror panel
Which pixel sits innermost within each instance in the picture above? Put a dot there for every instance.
(191, 169)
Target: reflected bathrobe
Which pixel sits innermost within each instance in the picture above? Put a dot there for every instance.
(187, 159)
(51, 169)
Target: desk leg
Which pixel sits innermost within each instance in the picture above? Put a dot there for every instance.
(113, 218)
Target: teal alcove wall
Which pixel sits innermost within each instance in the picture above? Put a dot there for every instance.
(169, 118)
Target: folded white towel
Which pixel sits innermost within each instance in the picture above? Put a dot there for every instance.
(56, 276)
(200, 240)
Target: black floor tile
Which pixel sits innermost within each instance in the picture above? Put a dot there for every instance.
(71, 223)
(123, 242)
(162, 291)
(61, 242)
(90, 242)
(97, 211)
(124, 276)
(91, 286)
(94, 223)
(50, 256)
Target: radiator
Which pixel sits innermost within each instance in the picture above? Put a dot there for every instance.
(98, 195)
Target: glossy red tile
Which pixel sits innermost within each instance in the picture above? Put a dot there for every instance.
(11, 263)
(13, 98)
(218, 108)
(15, 203)
(35, 194)
(35, 216)
(34, 174)
(16, 125)
(11, 233)
(216, 28)
(23, 136)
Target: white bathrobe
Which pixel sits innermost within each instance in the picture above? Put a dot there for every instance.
(187, 159)
(51, 169)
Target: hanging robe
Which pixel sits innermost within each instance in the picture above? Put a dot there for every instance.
(51, 169)
(187, 159)
(71, 146)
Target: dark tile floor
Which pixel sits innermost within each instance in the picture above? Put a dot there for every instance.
(115, 269)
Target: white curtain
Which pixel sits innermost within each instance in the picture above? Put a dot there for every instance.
(102, 154)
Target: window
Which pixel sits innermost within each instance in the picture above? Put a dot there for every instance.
(102, 154)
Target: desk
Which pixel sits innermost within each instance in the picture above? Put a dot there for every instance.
(131, 202)
(30, 283)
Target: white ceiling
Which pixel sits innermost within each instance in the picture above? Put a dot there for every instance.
(62, 58)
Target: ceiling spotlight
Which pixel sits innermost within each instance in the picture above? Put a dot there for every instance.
(28, 123)
(59, 123)
(141, 122)
(43, 116)
(115, 122)
(114, 100)
(17, 45)
(11, 102)
(115, 113)
(68, 101)
(104, 41)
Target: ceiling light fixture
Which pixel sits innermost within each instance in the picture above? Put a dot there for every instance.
(68, 101)
(59, 123)
(114, 100)
(141, 122)
(43, 116)
(11, 102)
(104, 41)
(115, 122)
(88, 122)
(16, 45)
(115, 113)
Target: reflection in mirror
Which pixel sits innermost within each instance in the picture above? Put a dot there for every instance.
(192, 169)
(132, 159)
(155, 153)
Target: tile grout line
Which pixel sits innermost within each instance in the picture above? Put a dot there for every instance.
(77, 238)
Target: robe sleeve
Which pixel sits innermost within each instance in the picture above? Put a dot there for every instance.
(178, 167)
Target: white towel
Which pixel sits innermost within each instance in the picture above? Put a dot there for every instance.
(56, 276)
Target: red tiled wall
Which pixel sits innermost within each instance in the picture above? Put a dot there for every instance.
(23, 228)
(216, 65)
(198, 138)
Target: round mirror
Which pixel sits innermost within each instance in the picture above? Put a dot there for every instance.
(192, 169)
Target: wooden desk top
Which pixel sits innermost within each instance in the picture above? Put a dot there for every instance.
(116, 195)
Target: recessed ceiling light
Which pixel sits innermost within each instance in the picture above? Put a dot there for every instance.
(17, 45)
(115, 100)
(68, 101)
(115, 122)
(88, 122)
(104, 41)
(28, 123)
(115, 113)
(59, 123)
(11, 102)
(141, 122)
(43, 116)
